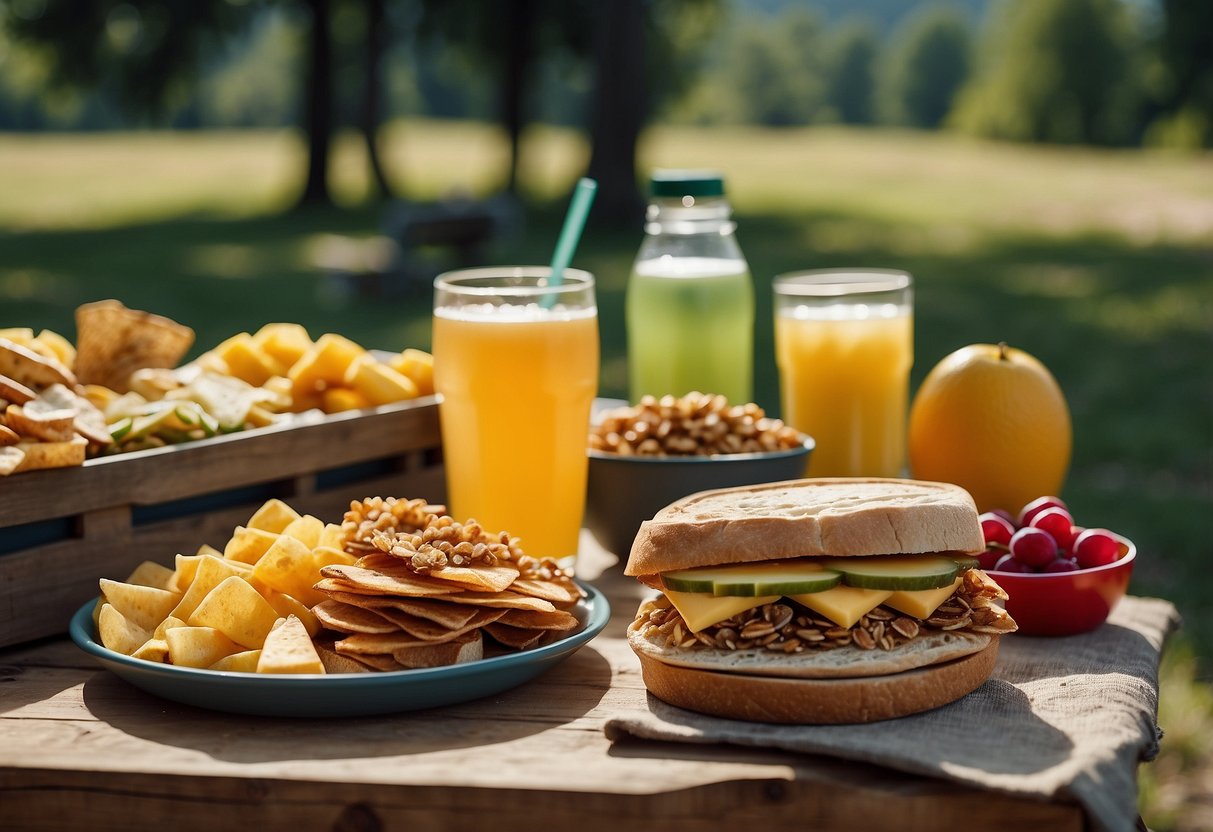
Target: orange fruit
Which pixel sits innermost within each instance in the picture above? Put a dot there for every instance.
(993, 420)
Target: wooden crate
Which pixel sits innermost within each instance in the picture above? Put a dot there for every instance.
(61, 530)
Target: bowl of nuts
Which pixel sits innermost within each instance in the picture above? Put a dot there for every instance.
(644, 457)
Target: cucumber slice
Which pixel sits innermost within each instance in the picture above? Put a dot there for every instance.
(896, 572)
(965, 561)
(748, 580)
(120, 428)
(688, 580)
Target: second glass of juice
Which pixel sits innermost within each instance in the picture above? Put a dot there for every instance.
(844, 344)
(516, 363)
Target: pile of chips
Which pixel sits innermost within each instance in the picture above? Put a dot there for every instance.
(407, 605)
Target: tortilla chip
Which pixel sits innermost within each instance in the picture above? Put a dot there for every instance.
(8, 436)
(87, 420)
(530, 620)
(334, 662)
(372, 661)
(560, 593)
(451, 616)
(39, 455)
(468, 648)
(14, 392)
(377, 644)
(347, 618)
(10, 460)
(502, 600)
(429, 631)
(288, 649)
(396, 582)
(31, 370)
(55, 426)
(519, 638)
(113, 342)
(486, 578)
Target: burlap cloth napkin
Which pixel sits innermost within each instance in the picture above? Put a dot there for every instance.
(1060, 718)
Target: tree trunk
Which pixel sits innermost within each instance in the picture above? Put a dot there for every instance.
(519, 23)
(373, 94)
(318, 110)
(618, 108)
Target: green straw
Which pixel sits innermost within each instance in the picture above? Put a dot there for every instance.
(570, 234)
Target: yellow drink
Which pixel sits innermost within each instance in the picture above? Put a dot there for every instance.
(517, 382)
(844, 378)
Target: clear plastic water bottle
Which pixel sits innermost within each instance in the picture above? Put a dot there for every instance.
(690, 298)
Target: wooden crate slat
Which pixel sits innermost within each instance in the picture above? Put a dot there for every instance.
(211, 465)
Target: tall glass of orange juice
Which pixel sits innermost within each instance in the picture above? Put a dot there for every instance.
(516, 363)
(844, 343)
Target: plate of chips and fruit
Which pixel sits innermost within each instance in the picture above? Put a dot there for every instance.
(397, 608)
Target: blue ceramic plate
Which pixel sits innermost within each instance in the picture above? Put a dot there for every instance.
(353, 694)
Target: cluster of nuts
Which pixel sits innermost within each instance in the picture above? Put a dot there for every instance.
(389, 515)
(439, 546)
(425, 541)
(698, 424)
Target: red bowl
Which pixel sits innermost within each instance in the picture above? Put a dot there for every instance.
(1067, 603)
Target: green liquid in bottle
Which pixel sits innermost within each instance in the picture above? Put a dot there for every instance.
(690, 327)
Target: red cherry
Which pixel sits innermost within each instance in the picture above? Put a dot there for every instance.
(1005, 515)
(1096, 547)
(1057, 522)
(996, 529)
(1033, 547)
(1062, 565)
(1008, 563)
(1075, 531)
(990, 557)
(1038, 505)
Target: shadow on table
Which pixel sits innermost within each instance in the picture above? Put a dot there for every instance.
(562, 695)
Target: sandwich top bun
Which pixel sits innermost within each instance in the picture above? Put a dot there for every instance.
(835, 517)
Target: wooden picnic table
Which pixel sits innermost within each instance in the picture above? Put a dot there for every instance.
(80, 749)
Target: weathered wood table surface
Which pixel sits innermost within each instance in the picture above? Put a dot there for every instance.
(80, 749)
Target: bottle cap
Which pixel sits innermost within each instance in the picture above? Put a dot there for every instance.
(672, 184)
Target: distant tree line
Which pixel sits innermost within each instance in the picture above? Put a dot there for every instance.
(1109, 72)
(1068, 71)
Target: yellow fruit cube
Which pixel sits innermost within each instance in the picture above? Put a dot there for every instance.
(418, 366)
(324, 364)
(379, 383)
(246, 361)
(285, 342)
(340, 399)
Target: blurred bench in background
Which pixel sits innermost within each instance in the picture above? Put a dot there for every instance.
(419, 240)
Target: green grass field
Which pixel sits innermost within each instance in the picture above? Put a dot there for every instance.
(1100, 263)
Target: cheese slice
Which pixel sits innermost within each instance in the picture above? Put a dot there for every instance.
(922, 602)
(702, 609)
(844, 605)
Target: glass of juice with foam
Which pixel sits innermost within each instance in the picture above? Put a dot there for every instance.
(516, 363)
(844, 344)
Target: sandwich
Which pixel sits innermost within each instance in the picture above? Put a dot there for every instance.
(816, 601)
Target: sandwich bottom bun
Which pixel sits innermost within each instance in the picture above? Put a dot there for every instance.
(763, 694)
(817, 701)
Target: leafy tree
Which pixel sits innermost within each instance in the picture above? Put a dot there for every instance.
(850, 83)
(1057, 71)
(776, 69)
(928, 63)
(1181, 105)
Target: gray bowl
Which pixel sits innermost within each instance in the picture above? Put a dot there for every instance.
(624, 491)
